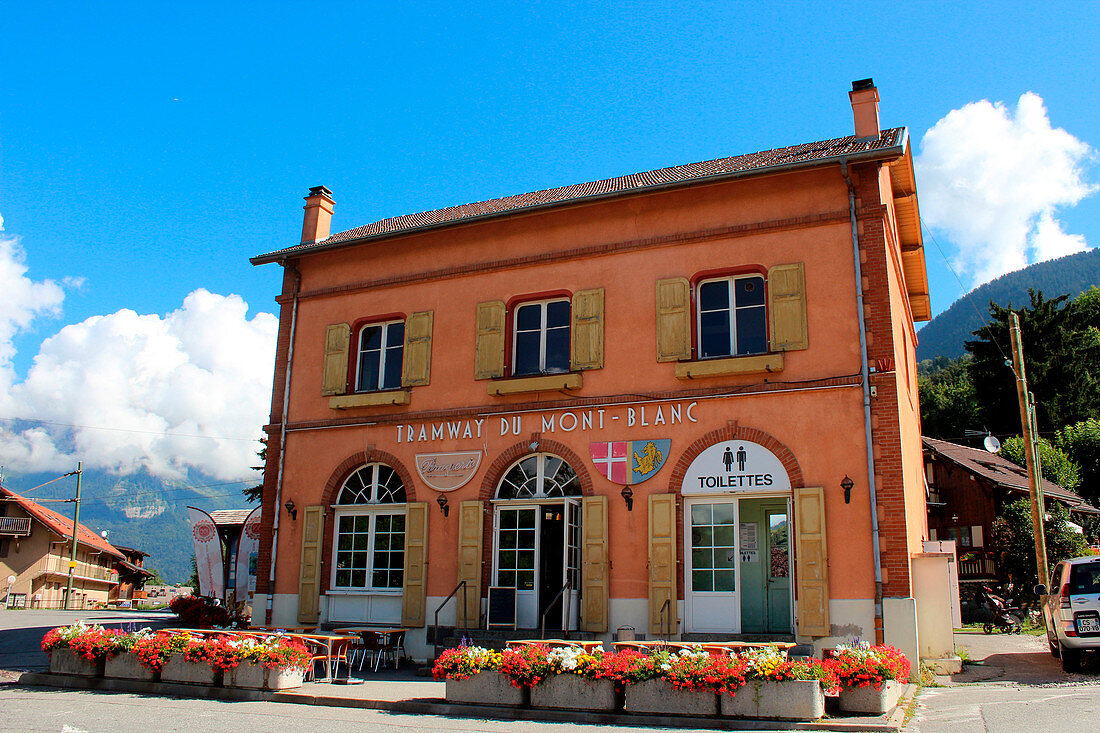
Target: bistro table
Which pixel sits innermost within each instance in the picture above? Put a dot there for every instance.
(332, 646)
(374, 638)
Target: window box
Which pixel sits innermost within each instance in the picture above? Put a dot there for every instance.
(546, 383)
(486, 688)
(762, 363)
(369, 399)
(658, 696)
(787, 700)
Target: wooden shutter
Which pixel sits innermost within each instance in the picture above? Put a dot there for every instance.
(594, 611)
(334, 378)
(489, 348)
(787, 307)
(416, 564)
(416, 365)
(811, 562)
(469, 563)
(309, 571)
(662, 564)
(587, 330)
(673, 319)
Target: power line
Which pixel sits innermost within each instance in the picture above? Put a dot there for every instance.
(124, 430)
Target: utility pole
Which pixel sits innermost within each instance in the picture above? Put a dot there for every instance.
(1031, 449)
(76, 523)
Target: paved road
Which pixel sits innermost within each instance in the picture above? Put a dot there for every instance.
(21, 632)
(1015, 686)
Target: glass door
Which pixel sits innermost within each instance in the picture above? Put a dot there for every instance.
(779, 570)
(517, 559)
(572, 565)
(713, 604)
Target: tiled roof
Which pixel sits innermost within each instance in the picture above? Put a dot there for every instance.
(60, 525)
(230, 517)
(805, 155)
(135, 569)
(130, 551)
(1002, 471)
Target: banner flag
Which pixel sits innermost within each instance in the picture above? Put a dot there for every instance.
(248, 549)
(208, 553)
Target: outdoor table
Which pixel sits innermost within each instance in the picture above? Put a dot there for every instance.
(578, 644)
(382, 635)
(331, 645)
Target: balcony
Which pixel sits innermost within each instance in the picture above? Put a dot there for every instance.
(84, 571)
(15, 526)
(976, 564)
(935, 498)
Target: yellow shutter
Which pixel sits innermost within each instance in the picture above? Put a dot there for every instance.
(673, 319)
(489, 348)
(416, 367)
(469, 563)
(416, 564)
(587, 330)
(309, 571)
(594, 564)
(811, 562)
(787, 307)
(334, 379)
(662, 565)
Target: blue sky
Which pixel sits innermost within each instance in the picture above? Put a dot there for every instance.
(147, 150)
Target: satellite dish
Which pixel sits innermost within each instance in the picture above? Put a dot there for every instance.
(104, 533)
(991, 444)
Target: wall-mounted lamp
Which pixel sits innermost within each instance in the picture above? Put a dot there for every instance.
(444, 506)
(847, 485)
(533, 445)
(628, 497)
(290, 510)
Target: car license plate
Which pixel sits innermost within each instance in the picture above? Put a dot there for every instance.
(1088, 625)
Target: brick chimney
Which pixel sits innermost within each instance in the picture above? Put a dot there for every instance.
(318, 208)
(864, 98)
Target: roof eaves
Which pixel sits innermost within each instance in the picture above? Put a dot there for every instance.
(884, 153)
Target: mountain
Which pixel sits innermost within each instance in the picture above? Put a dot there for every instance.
(945, 334)
(140, 510)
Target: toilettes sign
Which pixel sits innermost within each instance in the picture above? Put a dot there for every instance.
(736, 466)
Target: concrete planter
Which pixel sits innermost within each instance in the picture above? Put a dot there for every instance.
(869, 700)
(659, 696)
(178, 669)
(125, 665)
(573, 692)
(788, 700)
(258, 677)
(66, 661)
(486, 688)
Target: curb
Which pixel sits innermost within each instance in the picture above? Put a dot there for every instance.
(437, 706)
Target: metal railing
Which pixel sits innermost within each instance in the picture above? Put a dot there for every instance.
(665, 621)
(563, 592)
(465, 621)
(15, 525)
(60, 566)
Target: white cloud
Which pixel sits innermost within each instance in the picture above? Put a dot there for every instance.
(992, 179)
(188, 390)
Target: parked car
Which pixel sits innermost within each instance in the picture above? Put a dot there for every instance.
(1071, 613)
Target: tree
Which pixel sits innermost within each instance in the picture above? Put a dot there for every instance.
(255, 493)
(193, 581)
(948, 403)
(1056, 465)
(1012, 539)
(1081, 442)
(155, 578)
(1061, 345)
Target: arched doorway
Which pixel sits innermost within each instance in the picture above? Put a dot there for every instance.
(536, 540)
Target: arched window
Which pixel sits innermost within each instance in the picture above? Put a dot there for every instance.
(370, 530)
(539, 476)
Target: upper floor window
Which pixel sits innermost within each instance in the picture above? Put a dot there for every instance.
(732, 317)
(540, 338)
(380, 351)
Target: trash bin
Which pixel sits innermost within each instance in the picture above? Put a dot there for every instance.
(625, 633)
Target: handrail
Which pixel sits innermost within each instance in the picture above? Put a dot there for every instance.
(665, 626)
(565, 631)
(465, 622)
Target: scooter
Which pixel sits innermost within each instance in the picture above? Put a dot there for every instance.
(1005, 617)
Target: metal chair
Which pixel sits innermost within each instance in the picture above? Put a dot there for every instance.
(391, 643)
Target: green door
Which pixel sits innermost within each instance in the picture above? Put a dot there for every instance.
(764, 557)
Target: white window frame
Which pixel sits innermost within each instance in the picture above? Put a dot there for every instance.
(372, 512)
(542, 333)
(385, 326)
(732, 312)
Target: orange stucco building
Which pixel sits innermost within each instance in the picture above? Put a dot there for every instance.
(683, 401)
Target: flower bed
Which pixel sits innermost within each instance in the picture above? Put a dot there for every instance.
(688, 681)
(274, 662)
(870, 677)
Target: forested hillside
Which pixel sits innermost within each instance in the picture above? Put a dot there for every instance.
(945, 334)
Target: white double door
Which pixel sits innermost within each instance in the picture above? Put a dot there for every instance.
(536, 551)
